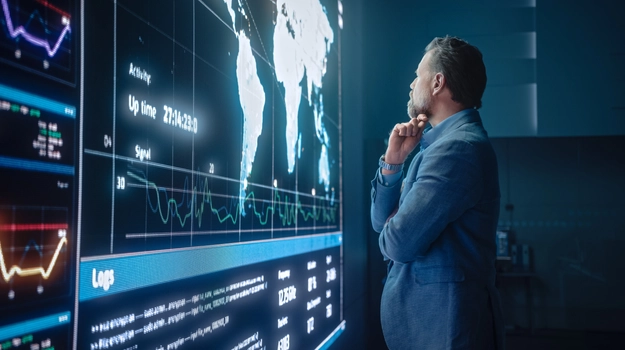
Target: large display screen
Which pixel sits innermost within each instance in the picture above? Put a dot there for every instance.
(171, 174)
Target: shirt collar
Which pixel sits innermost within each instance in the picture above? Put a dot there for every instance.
(431, 134)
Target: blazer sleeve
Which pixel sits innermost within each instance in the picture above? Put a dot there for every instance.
(384, 200)
(448, 183)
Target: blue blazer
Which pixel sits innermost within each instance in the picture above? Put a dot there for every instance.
(440, 291)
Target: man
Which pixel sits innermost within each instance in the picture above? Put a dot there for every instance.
(437, 227)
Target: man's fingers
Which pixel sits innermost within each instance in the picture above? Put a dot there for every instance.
(418, 124)
(405, 129)
(397, 128)
(402, 129)
(422, 121)
(412, 127)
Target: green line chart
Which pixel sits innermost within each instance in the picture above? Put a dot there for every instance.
(198, 201)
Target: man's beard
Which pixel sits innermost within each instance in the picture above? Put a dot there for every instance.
(421, 106)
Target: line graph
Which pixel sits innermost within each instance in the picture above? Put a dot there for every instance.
(151, 187)
(195, 202)
(38, 36)
(32, 38)
(34, 243)
(33, 271)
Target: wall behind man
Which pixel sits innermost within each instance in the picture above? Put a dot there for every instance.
(580, 71)
(555, 130)
(564, 197)
(505, 31)
(554, 67)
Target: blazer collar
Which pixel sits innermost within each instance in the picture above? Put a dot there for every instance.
(431, 134)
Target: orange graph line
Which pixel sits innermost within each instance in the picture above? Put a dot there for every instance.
(16, 270)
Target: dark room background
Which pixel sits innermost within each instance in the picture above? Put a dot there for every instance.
(554, 107)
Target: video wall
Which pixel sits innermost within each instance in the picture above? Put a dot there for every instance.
(171, 174)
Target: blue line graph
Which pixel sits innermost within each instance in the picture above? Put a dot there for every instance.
(22, 30)
(37, 248)
(33, 244)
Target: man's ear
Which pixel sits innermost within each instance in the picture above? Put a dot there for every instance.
(438, 83)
